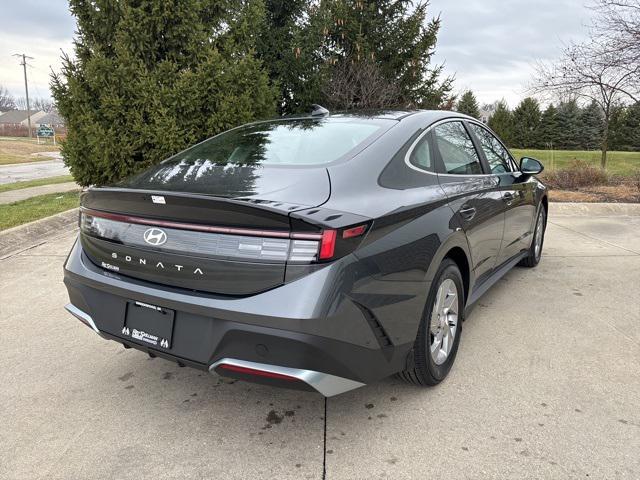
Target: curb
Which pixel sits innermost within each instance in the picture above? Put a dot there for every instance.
(594, 209)
(24, 237)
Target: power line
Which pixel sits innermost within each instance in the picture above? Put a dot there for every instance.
(26, 87)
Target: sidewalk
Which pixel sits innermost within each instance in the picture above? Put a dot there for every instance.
(24, 193)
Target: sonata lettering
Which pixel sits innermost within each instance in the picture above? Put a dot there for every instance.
(143, 261)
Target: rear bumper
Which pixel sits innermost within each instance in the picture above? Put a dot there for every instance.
(305, 330)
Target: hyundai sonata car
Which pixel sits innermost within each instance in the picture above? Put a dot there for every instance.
(320, 252)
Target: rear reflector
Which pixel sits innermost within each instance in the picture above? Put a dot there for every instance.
(258, 373)
(327, 244)
(354, 232)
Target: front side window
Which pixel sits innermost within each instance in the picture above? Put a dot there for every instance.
(497, 156)
(456, 149)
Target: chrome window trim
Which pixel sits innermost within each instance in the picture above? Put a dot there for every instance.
(407, 156)
(494, 135)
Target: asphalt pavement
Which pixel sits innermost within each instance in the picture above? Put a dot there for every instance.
(21, 172)
(546, 386)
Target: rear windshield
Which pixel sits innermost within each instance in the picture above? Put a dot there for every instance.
(238, 156)
(290, 142)
(284, 142)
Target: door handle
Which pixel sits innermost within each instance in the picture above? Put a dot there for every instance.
(467, 212)
(509, 197)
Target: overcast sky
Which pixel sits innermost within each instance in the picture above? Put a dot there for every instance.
(488, 44)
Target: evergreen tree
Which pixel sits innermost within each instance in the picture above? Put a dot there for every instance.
(501, 122)
(288, 50)
(548, 135)
(468, 104)
(591, 127)
(617, 122)
(150, 78)
(631, 129)
(526, 124)
(393, 35)
(568, 125)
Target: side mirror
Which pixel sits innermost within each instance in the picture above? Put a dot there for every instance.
(530, 166)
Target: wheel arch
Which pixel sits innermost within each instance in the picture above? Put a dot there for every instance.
(455, 248)
(545, 203)
(458, 255)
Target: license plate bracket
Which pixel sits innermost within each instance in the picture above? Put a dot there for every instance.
(149, 324)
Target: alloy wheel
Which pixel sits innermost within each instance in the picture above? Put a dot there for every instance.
(444, 321)
(539, 234)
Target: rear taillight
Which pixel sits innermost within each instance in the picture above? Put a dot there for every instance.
(327, 245)
(338, 243)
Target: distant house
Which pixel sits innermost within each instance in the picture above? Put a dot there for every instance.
(486, 112)
(15, 122)
(52, 119)
(17, 118)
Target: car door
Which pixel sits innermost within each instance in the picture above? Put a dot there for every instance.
(517, 192)
(471, 193)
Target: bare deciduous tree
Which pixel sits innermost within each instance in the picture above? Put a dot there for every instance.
(38, 103)
(359, 84)
(7, 102)
(44, 104)
(603, 69)
(617, 28)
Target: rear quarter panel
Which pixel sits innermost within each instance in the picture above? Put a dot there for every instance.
(413, 229)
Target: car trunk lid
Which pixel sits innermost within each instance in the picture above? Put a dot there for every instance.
(236, 244)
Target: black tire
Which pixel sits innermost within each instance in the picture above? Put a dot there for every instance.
(533, 258)
(421, 368)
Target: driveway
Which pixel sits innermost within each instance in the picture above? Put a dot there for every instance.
(546, 385)
(20, 172)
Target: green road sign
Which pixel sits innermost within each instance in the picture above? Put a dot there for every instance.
(44, 131)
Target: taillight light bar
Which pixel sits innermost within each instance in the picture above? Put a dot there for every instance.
(201, 228)
(305, 247)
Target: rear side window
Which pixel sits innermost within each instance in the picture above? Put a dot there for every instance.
(456, 149)
(421, 155)
(497, 156)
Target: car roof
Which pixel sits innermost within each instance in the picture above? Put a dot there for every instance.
(426, 115)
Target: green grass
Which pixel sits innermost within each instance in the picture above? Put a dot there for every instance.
(618, 163)
(19, 150)
(35, 183)
(24, 211)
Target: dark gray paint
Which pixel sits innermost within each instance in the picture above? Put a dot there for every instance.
(357, 316)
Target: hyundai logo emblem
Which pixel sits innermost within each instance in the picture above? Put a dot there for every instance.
(155, 236)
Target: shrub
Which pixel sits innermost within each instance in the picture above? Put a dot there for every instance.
(635, 180)
(578, 174)
(151, 78)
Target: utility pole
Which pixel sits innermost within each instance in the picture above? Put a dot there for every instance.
(26, 87)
